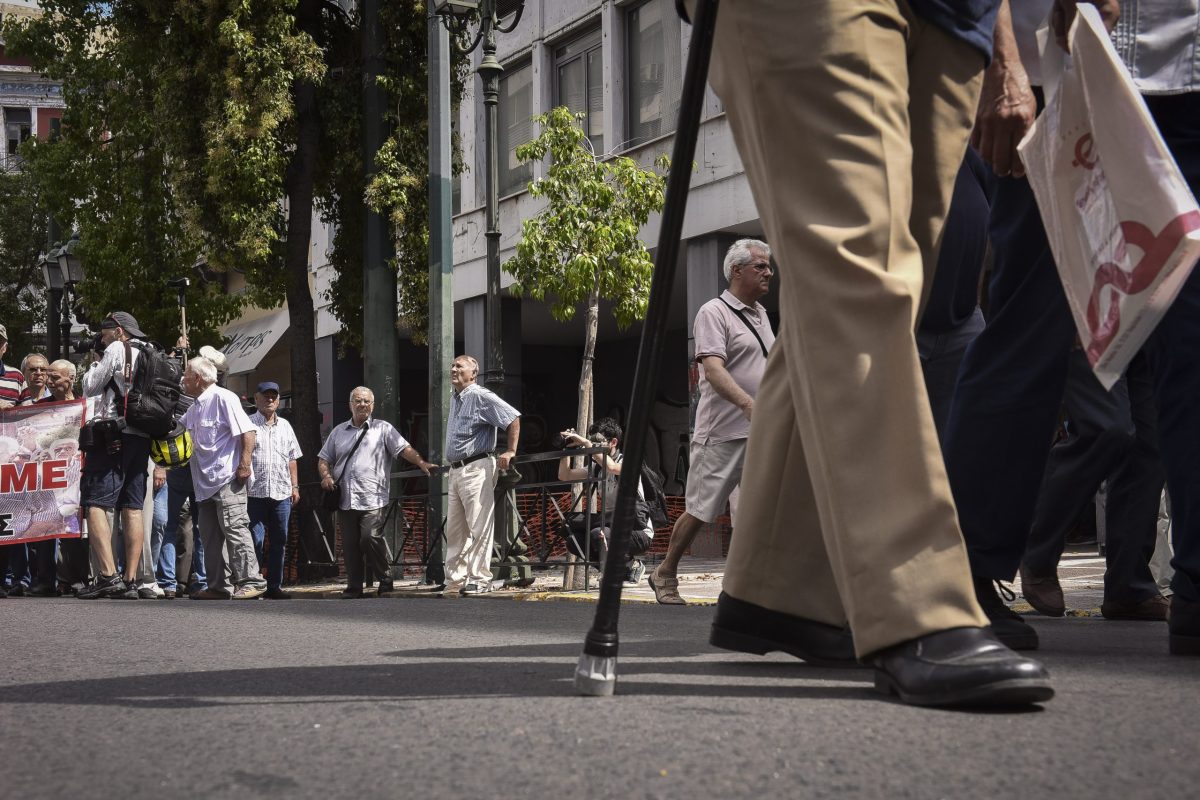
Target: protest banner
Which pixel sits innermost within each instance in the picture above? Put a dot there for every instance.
(40, 464)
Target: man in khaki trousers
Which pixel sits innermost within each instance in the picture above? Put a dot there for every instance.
(852, 117)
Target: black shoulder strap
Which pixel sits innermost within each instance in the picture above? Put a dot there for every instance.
(742, 316)
(350, 455)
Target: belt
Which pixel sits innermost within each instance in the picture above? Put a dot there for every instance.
(469, 459)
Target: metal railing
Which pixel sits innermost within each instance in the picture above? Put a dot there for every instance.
(542, 509)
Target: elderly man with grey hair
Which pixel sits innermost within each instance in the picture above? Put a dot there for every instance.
(222, 444)
(360, 454)
(732, 336)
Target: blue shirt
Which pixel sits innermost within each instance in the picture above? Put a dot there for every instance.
(475, 414)
(972, 21)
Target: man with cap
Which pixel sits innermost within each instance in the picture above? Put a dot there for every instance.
(274, 485)
(114, 471)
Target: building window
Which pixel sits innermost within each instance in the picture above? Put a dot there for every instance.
(18, 126)
(655, 70)
(579, 68)
(515, 128)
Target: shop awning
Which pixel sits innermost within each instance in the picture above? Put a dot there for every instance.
(250, 341)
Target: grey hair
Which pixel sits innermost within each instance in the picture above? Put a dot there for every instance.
(25, 360)
(470, 360)
(739, 254)
(203, 369)
(64, 366)
(358, 389)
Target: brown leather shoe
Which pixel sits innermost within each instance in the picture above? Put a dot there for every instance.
(666, 590)
(1044, 593)
(1152, 609)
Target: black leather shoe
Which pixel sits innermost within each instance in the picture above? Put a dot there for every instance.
(749, 628)
(960, 667)
(1183, 627)
(276, 594)
(386, 586)
(352, 594)
(1007, 624)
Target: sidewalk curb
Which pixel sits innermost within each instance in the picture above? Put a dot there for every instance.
(543, 596)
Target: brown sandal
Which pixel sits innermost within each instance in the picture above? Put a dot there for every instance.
(666, 590)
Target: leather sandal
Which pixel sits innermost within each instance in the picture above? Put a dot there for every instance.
(666, 590)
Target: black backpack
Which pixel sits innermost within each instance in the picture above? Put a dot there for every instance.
(656, 499)
(153, 390)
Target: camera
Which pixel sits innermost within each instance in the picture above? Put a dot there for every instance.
(179, 283)
(91, 344)
(102, 433)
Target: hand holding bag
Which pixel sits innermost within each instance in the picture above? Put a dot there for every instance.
(1122, 225)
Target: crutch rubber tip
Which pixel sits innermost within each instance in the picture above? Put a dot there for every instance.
(595, 676)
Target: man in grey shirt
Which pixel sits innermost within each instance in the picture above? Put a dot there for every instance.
(475, 414)
(363, 469)
(732, 336)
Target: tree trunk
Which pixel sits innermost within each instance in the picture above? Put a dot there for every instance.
(301, 174)
(591, 323)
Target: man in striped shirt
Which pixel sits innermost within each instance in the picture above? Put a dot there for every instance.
(274, 486)
(475, 414)
(13, 389)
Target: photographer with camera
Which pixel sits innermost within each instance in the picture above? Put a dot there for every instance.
(116, 458)
(606, 467)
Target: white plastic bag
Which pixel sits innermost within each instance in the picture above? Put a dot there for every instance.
(1122, 224)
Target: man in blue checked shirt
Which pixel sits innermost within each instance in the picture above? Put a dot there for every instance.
(475, 414)
(274, 486)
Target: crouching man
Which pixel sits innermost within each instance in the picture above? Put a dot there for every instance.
(604, 468)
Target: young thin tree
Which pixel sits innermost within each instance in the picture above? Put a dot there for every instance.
(584, 245)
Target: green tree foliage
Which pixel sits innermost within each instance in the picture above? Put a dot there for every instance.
(399, 189)
(584, 245)
(22, 239)
(173, 145)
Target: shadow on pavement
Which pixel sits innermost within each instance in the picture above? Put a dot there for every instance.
(442, 679)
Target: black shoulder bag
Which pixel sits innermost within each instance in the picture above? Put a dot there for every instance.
(742, 316)
(331, 499)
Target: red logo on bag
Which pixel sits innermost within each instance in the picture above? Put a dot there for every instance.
(1084, 156)
(1155, 252)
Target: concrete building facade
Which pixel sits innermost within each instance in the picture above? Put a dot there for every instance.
(621, 63)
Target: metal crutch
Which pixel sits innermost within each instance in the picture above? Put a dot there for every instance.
(596, 671)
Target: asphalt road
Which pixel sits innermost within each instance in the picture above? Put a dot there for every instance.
(473, 698)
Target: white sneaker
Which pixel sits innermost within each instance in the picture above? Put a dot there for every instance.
(152, 587)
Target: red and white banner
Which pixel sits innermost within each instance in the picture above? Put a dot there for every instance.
(39, 471)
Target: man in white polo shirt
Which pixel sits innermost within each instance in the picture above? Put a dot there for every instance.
(732, 336)
(357, 460)
(223, 440)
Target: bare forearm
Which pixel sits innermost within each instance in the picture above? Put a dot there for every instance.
(248, 439)
(514, 436)
(724, 384)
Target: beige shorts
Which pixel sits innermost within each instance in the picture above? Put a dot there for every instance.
(714, 472)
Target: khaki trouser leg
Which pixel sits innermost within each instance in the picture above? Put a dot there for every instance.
(846, 511)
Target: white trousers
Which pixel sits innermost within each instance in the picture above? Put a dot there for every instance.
(470, 523)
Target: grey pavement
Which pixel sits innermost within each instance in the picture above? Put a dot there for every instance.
(472, 697)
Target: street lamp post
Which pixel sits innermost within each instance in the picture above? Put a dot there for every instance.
(70, 268)
(52, 275)
(458, 14)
